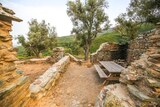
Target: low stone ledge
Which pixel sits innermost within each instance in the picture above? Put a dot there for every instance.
(34, 60)
(74, 59)
(41, 85)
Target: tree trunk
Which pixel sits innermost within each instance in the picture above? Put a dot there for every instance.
(86, 52)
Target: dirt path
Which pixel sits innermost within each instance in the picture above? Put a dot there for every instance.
(78, 87)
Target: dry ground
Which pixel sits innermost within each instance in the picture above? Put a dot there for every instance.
(78, 87)
(33, 70)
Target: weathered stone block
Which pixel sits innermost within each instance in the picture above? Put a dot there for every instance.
(154, 83)
(6, 90)
(22, 80)
(19, 71)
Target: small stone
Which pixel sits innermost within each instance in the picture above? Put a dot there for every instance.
(19, 71)
(89, 105)
(158, 43)
(155, 56)
(37, 82)
(154, 83)
(10, 58)
(1, 83)
(155, 37)
(153, 60)
(22, 80)
(34, 88)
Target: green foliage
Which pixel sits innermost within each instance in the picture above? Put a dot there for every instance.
(21, 51)
(127, 26)
(40, 37)
(146, 27)
(65, 39)
(112, 37)
(147, 11)
(87, 18)
(21, 54)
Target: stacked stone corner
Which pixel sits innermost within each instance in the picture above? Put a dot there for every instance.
(13, 86)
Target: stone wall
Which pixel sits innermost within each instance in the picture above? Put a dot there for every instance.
(46, 81)
(13, 86)
(104, 52)
(141, 80)
(57, 54)
(138, 46)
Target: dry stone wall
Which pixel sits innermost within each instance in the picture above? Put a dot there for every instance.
(140, 80)
(57, 54)
(138, 46)
(13, 86)
(104, 52)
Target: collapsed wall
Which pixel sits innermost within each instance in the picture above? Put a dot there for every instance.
(13, 86)
(139, 82)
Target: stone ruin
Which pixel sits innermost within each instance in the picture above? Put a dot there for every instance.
(139, 83)
(104, 52)
(109, 52)
(13, 86)
(57, 54)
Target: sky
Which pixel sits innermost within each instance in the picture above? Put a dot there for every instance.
(53, 12)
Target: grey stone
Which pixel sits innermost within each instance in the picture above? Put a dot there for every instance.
(158, 43)
(19, 71)
(34, 88)
(1, 83)
(137, 93)
(22, 80)
(153, 83)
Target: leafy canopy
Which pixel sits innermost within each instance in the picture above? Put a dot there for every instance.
(88, 19)
(145, 10)
(126, 26)
(40, 37)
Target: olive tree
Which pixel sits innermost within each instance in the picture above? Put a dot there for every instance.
(40, 37)
(88, 20)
